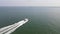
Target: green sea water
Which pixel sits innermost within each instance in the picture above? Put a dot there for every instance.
(42, 20)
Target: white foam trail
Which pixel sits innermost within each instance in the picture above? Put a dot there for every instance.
(8, 29)
(15, 28)
(4, 28)
(12, 28)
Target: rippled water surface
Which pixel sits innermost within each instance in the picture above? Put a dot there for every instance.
(42, 20)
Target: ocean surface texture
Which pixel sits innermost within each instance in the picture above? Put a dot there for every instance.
(42, 20)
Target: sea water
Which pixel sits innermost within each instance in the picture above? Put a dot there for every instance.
(42, 20)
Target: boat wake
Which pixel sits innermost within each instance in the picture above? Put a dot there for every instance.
(11, 28)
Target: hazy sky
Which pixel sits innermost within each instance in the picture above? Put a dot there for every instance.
(29, 2)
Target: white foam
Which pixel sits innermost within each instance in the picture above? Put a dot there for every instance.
(11, 28)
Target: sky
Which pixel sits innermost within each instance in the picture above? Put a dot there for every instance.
(29, 2)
